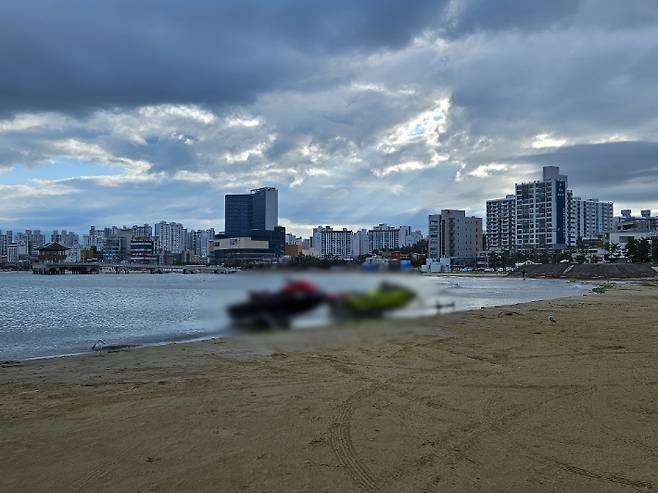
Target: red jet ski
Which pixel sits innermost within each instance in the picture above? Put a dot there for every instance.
(276, 309)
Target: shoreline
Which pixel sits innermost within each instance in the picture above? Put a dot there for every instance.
(226, 334)
(492, 399)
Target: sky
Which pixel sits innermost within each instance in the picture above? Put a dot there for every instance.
(127, 112)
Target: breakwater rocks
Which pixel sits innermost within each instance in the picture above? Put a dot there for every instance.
(588, 271)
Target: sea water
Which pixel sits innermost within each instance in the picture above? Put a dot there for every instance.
(43, 316)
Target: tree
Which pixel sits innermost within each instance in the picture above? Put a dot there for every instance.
(418, 247)
(644, 250)
(613, 252)
(311, 262)
(632, 250)
(564, 255)
(506, 258)
(654, 250)
(494, 259)
(519, 257)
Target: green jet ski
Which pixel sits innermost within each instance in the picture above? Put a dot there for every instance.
(373, 303)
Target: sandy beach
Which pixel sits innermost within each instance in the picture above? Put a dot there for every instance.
(499, 399)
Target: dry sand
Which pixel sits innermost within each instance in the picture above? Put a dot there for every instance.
(491, 400)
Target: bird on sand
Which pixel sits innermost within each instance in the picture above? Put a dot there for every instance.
(551, 318)
(98, 346)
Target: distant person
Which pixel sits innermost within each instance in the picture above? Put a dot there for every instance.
(523, 273)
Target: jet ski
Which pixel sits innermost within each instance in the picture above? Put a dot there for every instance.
(372, 303)
(276, 309)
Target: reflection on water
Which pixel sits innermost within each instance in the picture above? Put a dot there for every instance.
(51, 315)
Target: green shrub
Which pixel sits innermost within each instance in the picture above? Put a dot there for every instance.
(602, 288)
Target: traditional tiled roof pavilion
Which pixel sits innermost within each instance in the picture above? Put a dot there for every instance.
(52, 252)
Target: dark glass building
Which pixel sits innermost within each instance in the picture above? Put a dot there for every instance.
(258, 210)
(238, 213)
(253, 215)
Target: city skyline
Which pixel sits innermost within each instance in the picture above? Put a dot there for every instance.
(358, 113)
(306, 230)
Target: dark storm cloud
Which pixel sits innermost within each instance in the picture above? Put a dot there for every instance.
(469, 16)
(359, 111)
(76, 55)
(609, 163)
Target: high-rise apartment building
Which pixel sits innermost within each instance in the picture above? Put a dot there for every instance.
(198, 241)
(360, 243)
(328, 242)
(257, 210)
(142, 231)
(542, 213)
(171, 236)
(408, 237)
(65, 238)
(452, 234)
(12, 253)
(6, 239)
(501, 223)
(383, 237)
(31, 240)
(591, 217)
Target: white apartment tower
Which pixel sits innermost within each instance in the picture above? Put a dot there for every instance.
(501, 223)
(383, 237)
(591, 217)
(171, 236)
(409, 237)
(330, 243)
(360, 243)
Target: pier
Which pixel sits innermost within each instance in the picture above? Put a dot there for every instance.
(60, 268)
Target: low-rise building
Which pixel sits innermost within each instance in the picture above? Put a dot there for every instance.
(12, 254)
(293, 250)
(142, 251)
(52, 253)
(242, 250)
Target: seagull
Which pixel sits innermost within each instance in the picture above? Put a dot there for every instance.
(98, 347)
(551, 318)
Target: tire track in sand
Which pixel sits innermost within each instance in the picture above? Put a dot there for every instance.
(342, 444)
(498, 422)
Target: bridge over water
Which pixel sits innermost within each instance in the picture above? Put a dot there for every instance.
(58, 268)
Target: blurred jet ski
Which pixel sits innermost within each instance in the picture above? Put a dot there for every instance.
(276, 309)
(373, 303)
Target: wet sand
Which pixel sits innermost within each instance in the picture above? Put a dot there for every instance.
(499, 399)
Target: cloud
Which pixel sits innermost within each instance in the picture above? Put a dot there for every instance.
(360, 112)
(616, 164)
(76, 56)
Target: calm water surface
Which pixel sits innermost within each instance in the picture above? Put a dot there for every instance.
(54, 315)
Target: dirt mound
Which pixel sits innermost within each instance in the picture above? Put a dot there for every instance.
(589, 271)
